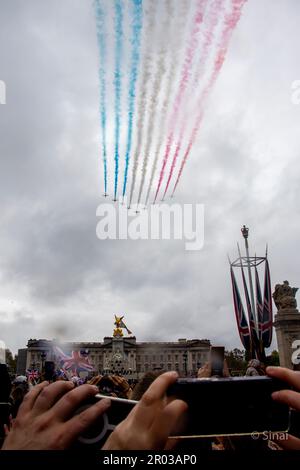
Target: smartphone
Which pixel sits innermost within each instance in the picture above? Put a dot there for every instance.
(217, 360)
(5, 410)
(231, 406)
(97, 434)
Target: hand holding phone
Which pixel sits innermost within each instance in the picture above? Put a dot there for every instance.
(231, 406)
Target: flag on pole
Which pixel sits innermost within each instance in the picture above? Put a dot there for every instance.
(267, 314)
(240, 313)
(254, 338)
(122, 325)
(259, 302)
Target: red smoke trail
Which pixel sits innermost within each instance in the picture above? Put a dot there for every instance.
(185, 76)
(176, 153)
(216, 10)
(231, 21)
(174, 42)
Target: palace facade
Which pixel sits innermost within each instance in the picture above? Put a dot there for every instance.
(122, 355)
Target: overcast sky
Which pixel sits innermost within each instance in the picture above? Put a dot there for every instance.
(57, 279)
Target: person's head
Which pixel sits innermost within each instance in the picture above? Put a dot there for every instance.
(20, 379)
(17, 395)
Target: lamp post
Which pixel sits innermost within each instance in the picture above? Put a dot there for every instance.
(185, 362)
(43, 357)
(245, 233)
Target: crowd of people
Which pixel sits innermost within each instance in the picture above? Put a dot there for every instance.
(45, 416)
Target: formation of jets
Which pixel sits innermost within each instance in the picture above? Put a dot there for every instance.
(129, 207)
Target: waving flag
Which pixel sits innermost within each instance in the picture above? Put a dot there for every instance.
(240, 313)
(32, 375)
(74, 363)
(122, 325)
(59, 353)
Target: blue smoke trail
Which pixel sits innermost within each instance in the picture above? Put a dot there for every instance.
(135, 58)
(117, 83)
(100, 26)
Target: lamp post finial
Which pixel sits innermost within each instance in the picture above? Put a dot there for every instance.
(245, 231)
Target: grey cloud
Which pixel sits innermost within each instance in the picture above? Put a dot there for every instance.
(68, 283)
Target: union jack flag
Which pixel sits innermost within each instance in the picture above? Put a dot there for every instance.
(32, 375)
(240, 313)
(74, 363)
(259, 302)
(267, 314)
(253, 332)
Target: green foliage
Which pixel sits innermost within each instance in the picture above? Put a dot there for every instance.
(273, 359)
(236, 361)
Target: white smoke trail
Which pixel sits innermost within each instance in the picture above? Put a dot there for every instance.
(190, 53)
(215, 13)
(160, 72)
(141, 111)
(178, 31)
(230, 22)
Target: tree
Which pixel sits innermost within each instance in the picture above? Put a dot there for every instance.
(11, 361)
(273, 359)
(236, 361)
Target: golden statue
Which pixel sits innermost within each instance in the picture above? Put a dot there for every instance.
(120, 325)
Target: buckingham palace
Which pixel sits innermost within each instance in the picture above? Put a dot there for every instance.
(123, 355)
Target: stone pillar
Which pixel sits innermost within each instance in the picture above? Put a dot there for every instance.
(287, 326)
(287, 322)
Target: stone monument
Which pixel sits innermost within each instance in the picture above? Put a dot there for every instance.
(287, 322)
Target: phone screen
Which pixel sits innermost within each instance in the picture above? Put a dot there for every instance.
(232, 406)
(217, 360)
